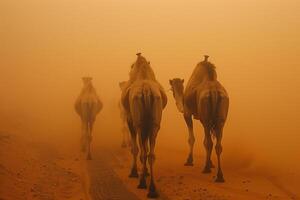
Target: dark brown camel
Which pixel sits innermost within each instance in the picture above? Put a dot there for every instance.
(205, 99)
(144, 100)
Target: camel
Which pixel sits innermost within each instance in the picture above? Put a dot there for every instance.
(144, 100)
(206, 100)
(87, 106)
(125, 132)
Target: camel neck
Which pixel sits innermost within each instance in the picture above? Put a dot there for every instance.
(179, 98)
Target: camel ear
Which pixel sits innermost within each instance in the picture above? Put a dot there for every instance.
(171, 82)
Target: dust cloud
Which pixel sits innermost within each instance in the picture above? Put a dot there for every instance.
(47, 46)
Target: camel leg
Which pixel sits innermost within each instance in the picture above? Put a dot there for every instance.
(83, 136)
(208, 144)
(151, 158)
(124, 141)
(143, 158)
(218, 147)
(89, 140)
(134, 151)
(189, 122)
(128, 141)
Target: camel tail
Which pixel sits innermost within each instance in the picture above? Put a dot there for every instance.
(147, 94)
(147, 109)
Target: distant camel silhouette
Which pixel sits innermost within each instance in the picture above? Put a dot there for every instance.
(207, 100)
(126, 137)
(87, 106)
(144, 100)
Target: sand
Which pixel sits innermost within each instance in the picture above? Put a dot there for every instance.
(179, 182)
(30, 170)
(39, 170)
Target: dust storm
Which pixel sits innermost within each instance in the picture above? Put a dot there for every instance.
(48, 46)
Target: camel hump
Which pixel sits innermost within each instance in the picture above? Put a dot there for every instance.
(206, 58)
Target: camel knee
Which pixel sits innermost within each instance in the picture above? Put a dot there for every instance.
(143, 157)
(219, 148)
(151, 158)
(208, 144)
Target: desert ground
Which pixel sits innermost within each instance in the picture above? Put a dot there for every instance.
(37, 170)
(31, 170)
(180, 182)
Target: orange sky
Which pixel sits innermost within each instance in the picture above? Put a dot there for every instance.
(46, 46)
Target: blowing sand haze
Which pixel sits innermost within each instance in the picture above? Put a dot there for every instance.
(74, 94)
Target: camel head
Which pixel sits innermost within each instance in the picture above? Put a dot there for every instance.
(177, 89)
(86, 80)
